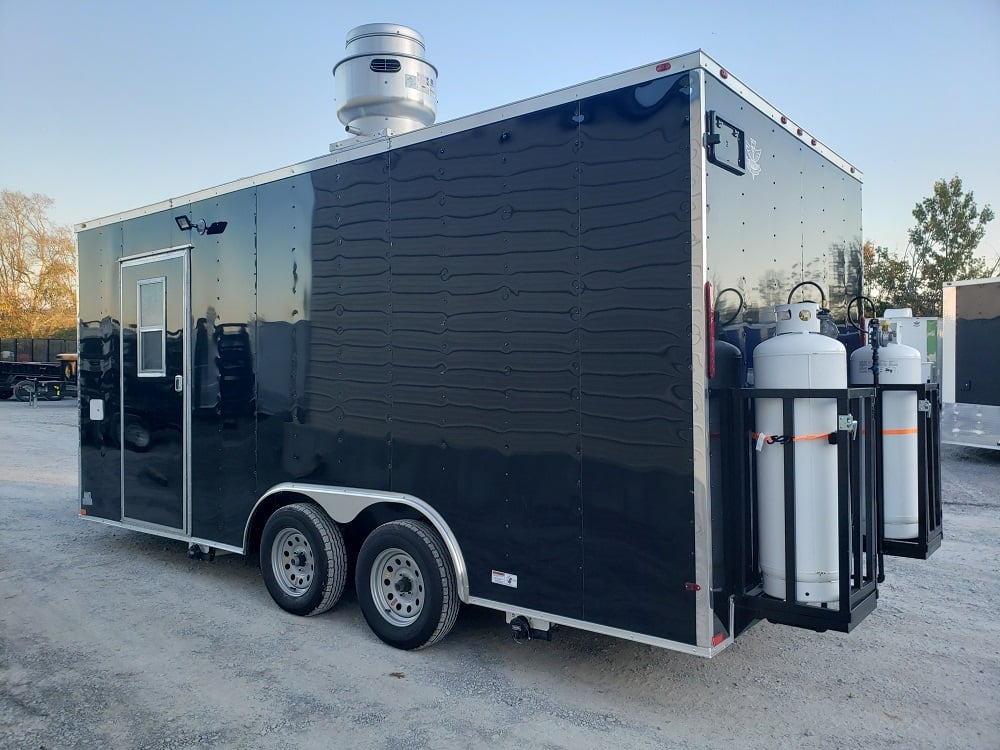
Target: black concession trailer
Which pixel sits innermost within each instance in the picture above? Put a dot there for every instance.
(478, 362)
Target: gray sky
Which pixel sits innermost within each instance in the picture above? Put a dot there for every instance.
(113, 104)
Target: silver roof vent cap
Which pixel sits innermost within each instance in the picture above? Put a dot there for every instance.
(384, 85)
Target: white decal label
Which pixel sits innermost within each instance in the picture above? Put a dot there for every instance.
(753, 157)
(421, 83)
(505, 579)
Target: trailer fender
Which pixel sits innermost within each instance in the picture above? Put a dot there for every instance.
(343, 504)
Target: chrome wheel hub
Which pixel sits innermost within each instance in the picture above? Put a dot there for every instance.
(397, 587)
(293, 562)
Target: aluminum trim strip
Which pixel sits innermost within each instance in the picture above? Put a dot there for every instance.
(186, 343)
(121, 396)
(154, 255)
(154, 530)
(972, 282)
(699, 403)
(594, 627)
(343, 504)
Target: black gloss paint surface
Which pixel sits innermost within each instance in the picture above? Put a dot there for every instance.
(797, 219)
(496, 321)
(456, 283)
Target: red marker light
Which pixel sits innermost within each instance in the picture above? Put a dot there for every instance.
(798, 131)
(719, 638)
(814, 141)
(723, 73)
(692, 587)
(852, 170)
(662, 67)
(784, 120)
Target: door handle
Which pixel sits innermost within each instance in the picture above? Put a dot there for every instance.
(179, 383)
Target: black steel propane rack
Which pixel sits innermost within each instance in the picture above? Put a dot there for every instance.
(929, 512)
(857, 513)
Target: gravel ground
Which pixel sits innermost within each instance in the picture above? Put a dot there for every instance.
(111, 638)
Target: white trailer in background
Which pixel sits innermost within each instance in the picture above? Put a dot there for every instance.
(970, 365)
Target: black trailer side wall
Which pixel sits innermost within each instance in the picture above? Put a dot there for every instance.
(503, 318)
(496, 321)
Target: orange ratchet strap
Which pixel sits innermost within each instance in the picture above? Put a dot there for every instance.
(772, 439)
(906, 431)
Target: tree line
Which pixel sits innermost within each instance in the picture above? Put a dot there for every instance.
(949, 227)
(37, 270)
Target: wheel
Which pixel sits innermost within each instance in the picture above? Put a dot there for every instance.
(24, 389)
(303, 559)
(406, 585)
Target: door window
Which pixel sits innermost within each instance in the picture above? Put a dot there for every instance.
(151, 349)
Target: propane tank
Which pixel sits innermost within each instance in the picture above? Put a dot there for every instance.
(898, 364)
(728, 374)
(799, 357)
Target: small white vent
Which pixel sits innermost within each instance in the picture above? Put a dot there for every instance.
(384, 65)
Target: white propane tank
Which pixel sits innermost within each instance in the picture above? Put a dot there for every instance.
(799, 357)
(898, 365)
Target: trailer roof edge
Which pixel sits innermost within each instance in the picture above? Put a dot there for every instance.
(360, 147)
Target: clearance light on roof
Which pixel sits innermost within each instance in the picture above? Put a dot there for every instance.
(784, 120)
(798, 131)
(663, 67)
(723, 73)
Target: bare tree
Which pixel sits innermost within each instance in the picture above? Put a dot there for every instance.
(37, 268)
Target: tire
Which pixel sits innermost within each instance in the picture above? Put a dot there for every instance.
(406, 585)
(303, 559)
(23, 390)
(138, 436)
